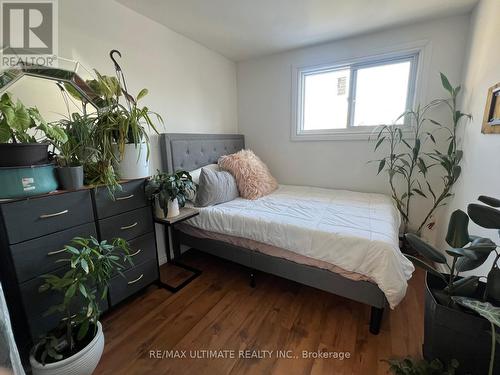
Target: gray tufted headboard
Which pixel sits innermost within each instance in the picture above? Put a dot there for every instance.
(192, 151)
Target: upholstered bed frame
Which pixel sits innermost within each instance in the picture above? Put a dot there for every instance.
(191, 151)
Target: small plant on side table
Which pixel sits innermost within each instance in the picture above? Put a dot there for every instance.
(171, 190)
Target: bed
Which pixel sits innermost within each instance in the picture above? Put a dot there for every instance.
(341, 242)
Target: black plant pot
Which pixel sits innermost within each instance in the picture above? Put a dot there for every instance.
(70, 178)
(456, 334)
(23, 154)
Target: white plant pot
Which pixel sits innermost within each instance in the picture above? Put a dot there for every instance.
(134, 163)
(159, 213)
(172, 208)
(82, 363)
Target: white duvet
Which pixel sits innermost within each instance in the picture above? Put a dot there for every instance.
(355, 231)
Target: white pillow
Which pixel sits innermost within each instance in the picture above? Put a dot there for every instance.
(195, 175)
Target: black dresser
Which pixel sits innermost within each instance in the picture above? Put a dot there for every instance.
(33, 234)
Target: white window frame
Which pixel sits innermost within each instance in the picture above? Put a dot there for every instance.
(351, 132)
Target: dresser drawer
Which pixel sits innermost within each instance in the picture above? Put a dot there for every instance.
(142, 249)
(37, 257)
(130, 198)
(127, 225)
(37, 303)
(31, 218)
(135, 279)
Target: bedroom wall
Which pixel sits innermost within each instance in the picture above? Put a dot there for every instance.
(481, 165)
(191, 86)
(264, 97)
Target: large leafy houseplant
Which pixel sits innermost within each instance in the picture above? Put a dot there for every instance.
(409, 159)
(24, 134)
(82, 287)
(21, 124)
(468, 252)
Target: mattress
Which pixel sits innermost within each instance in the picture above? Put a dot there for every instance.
(269, 250)
(356, 232)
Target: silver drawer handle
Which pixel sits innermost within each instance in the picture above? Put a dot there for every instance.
(134, 254)
(136, 280)
(124, 198)
(45, 216)
(71, 317)
(56, 252)
(129, 226)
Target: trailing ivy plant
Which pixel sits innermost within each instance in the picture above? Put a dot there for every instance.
(408, 161)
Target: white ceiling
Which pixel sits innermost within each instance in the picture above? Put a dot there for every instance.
(242, 29)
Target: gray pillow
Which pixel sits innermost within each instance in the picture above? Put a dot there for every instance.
(215, 187)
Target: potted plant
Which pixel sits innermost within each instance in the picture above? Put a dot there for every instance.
(75, 346)
(122, 128)
(170, 191)
(410, 155)
(409, 366)
(19, 128)
(450, 330)
(76, 152)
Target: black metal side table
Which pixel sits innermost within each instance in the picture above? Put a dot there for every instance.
(169, 224)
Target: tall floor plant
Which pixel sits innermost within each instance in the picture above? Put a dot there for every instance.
(409, 160)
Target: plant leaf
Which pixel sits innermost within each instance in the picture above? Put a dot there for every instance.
(459, 252)
(484, 216)
(485, 309)
(84, 265)
(458, 234)
(468, 264)
(446, 84)
(379, 142)
(82, 331)
(425, 266)
(381, 166)
(493, 202)
(464, 287)
(424, 249)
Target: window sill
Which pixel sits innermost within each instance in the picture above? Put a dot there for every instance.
(369, 133)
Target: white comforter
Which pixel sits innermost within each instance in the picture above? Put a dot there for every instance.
(355, 231)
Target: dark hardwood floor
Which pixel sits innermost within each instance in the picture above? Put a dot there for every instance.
(219, 311)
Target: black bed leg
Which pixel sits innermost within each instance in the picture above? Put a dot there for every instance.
(252, 280)
(376, 320)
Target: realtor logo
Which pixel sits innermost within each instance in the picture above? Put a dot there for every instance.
(28, 29)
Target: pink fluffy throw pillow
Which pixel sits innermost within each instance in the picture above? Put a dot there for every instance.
(252, 176)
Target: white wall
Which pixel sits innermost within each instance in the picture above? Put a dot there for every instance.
(481, 165)
(192, 87)
(264, 97)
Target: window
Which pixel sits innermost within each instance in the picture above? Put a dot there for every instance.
(350, 99)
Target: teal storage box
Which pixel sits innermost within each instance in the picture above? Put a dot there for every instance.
(17, 182)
